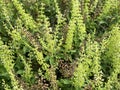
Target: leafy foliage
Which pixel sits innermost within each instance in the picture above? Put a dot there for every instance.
(59, 45)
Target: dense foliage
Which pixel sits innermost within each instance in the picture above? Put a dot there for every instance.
(59, 45)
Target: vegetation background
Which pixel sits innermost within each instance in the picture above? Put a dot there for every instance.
(59, 44)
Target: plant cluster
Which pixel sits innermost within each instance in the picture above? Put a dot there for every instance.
(59, 45)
